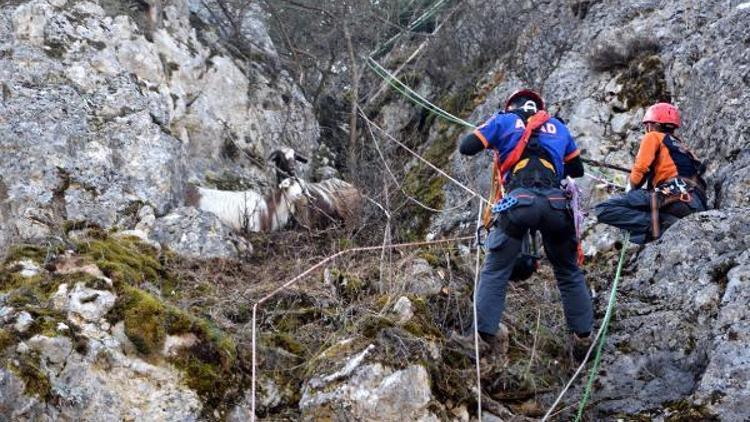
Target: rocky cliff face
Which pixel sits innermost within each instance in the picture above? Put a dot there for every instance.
(98, 120)
(103, 121)
(598, 65)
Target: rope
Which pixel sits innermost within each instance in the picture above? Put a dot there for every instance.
(600, 337)
(401, 188)
(409, 93)
(605, 325)
(302, 275)
(415, 154)
(428, 13)
(476, 328)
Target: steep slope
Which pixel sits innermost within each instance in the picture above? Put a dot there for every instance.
(599, 64)
(98, 121)
(103, 121)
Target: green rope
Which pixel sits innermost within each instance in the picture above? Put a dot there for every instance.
(412, 95)
(413, 26)
(603, 338)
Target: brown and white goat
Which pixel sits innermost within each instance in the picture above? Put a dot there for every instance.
(312, 205)
(328, 202)
(248, 210)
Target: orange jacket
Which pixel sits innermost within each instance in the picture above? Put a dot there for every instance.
(653, 156)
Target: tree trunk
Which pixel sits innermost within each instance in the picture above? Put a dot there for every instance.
(354, 71)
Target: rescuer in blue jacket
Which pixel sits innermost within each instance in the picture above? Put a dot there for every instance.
(534, 153)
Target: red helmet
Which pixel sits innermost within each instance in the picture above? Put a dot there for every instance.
(663, 113)
(525, 94)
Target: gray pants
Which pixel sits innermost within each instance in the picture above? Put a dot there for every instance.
(632, 212)
(544, 210)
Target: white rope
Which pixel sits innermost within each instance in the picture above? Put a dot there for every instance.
(400, 187)
(412, 152)
(305, 273)
(575, 375)
(476, 329)
(602, 180)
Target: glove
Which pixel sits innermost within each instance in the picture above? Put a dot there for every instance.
(628, 187)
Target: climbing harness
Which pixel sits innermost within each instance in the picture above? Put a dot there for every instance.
(497, 193)
(675, 187)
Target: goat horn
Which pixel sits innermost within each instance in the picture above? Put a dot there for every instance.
(300, 158)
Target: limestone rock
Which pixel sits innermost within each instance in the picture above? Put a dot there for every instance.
(30, 268)
(681, 324)
(418, 277)
(97, 119)
(192, 232)
(55, 350)
(375, 392)
(83, 304)
(403, 309)
(23, 321)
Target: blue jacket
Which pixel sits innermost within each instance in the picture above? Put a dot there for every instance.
(503, 131)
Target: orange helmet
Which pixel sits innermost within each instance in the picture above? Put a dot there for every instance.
(523, 95)
(663, 113)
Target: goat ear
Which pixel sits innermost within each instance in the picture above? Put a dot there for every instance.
(274, 156)
(302, 159)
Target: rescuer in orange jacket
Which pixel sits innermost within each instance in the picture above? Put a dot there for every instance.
(671, 173)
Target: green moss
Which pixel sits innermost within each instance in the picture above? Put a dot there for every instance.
(6, 339)
(295, 318)
(144, 318)
(425, 185)
(430, 257)
(36, 383)
(421, 324)
(71, 225)
(371, 325)
(204, 378)
(35, 253)
(209, 367)
(460, 103)
(643, 82)
(348, 286)
(124, 260)
(284, 341)
(25, 296)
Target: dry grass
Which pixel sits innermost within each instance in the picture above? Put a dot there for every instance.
(619, 55)
(300, 328)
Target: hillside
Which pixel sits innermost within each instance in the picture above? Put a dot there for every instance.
(119, 300)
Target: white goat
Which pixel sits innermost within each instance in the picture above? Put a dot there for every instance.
(313, 205)
(248, 210)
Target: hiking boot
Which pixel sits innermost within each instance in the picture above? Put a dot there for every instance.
(580, 346)
(489, 345)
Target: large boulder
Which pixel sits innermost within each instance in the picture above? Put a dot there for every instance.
(362, 391)
(195, 233)
(678, 337)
